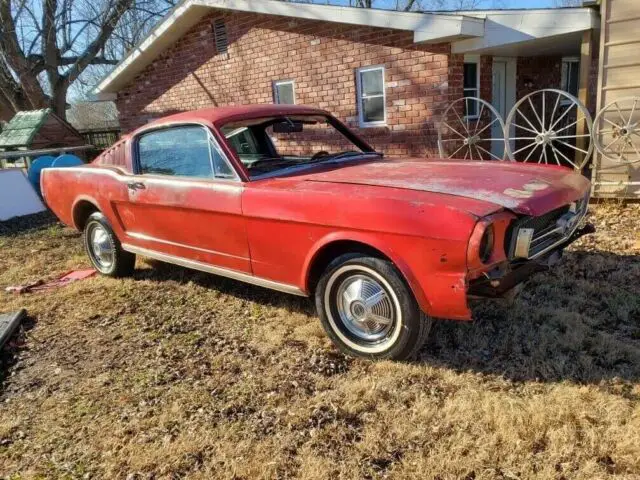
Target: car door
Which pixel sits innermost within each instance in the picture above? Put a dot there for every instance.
(185, 199)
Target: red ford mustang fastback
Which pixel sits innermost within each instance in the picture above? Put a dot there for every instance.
(288, 198)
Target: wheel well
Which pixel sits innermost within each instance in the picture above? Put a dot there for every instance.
(333, 250)
(81, 213)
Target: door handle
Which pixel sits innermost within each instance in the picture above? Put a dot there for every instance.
(136, 186)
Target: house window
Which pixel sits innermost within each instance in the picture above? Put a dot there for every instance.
(284, 92)
(371, 96)
(570, 75)
(471, 85)
(220, 36)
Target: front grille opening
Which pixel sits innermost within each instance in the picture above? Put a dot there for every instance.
(542, 226)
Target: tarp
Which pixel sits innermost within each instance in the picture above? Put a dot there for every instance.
(17, 196)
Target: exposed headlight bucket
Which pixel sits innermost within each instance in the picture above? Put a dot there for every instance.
(486, 244)
(523, 243)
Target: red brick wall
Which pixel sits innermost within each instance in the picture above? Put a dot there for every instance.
(546, 72)
(320, 57)
(536, 73)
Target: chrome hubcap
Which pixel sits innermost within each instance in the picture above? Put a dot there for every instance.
(101, 246)
(365, 308)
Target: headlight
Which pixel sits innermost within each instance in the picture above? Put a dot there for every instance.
(486, 244)
(523, 242)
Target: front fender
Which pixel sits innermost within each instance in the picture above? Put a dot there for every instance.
(434, 269)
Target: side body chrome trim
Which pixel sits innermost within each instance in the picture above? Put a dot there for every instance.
(223, 272)
(147, 238)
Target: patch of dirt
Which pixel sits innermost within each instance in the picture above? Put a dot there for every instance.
(178, 374)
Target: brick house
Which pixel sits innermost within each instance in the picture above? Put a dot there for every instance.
(387, 74)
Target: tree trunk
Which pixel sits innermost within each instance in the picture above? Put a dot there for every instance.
(58, 100)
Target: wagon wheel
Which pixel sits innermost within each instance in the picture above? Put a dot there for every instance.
(545, 125)
(617, 131)
(470, 136)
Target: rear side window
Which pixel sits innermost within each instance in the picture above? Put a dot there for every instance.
(180, 152)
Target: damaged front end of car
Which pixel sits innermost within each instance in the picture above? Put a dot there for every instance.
(532, 245)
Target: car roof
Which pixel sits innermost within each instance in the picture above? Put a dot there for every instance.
(225, 114)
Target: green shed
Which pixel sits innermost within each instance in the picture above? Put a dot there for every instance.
(38, 129)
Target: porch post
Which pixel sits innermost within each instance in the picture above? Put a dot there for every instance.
(586, 48)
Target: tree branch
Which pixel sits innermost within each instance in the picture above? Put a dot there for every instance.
(67, 60)
(26, 72)
(49, 44)
(98, 44)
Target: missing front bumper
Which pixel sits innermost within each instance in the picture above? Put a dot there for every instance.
(498, 282)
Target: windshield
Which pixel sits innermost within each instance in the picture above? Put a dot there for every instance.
(267, 145)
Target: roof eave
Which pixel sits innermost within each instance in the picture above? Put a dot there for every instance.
(504, 27)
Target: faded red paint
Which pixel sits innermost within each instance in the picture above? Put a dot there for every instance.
(427, 216)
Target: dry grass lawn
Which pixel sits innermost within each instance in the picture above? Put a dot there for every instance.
(178, 374)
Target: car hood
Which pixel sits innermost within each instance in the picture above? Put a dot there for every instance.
(528, 189)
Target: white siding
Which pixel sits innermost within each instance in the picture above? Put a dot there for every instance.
(619, 77)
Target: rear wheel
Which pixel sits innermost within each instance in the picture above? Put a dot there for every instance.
(367, 309)
(104, 249)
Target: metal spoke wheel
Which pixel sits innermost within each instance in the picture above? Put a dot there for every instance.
(552, 127)
(471, 129)
(100, 247)
(617, 131)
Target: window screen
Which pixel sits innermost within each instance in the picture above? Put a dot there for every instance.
(284, 92)
(570, 76)
(471, 88)
(371, 96)
(180, 152)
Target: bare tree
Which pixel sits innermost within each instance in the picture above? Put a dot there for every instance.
(46, 45)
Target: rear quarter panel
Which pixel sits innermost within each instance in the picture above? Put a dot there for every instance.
(64, 188)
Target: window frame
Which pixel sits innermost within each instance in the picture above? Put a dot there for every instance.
(276, 97)
(212, 141)
(360, 97)
(471, 59)
(565, 77)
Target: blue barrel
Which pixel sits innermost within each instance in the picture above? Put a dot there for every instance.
(36, 167)
(67, 160)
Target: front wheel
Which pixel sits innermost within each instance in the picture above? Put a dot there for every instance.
(104, 249)
(368, 310)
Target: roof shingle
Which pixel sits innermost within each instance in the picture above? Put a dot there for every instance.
(21, 129)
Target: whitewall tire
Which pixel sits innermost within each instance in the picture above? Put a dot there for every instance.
(104, 250)
(368, 310)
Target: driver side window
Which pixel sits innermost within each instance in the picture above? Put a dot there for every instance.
(183, 151)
